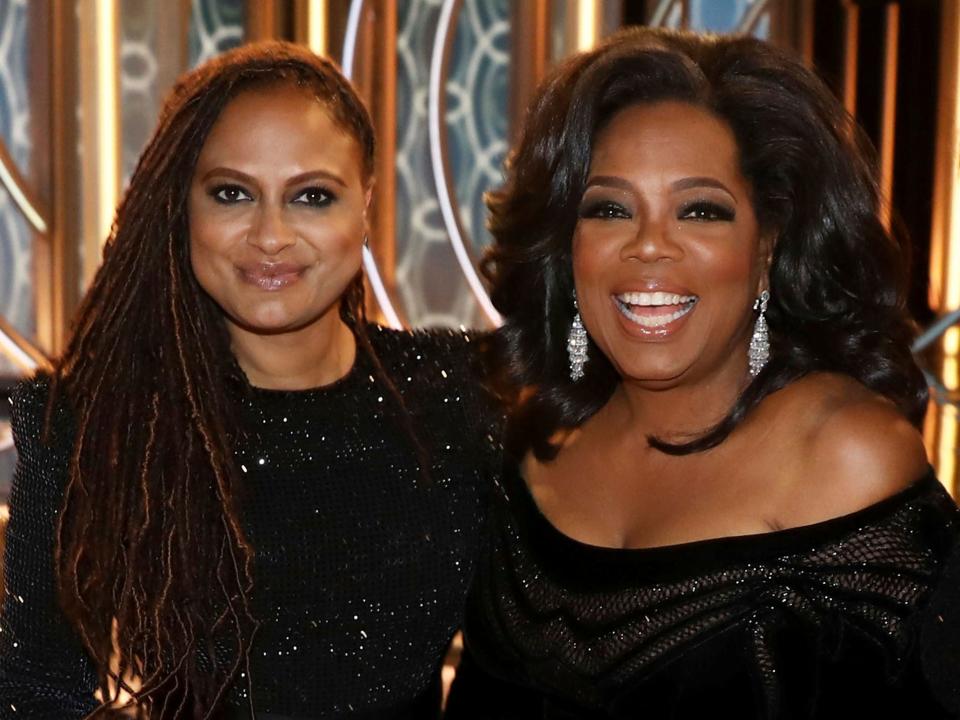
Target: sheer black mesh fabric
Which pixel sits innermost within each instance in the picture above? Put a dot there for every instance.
(578, 623)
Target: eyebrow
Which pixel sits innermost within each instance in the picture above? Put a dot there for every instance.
(610, 181)
(295, 180)
(692, 182)
(682, 184)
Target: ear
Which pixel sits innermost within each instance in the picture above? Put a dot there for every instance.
(368, 196)
(765, 256)
(367, 200)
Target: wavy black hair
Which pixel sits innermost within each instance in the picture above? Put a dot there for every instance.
(837, 277)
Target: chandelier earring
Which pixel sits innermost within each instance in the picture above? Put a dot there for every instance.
(577, 344)
(759, 352)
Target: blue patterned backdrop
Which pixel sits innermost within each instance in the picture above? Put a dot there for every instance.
(477, 111)
(476, 97)
(16, 236)
(718, 16)
(215, 26)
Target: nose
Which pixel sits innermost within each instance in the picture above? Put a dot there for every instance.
(270, 232)
(652, 242)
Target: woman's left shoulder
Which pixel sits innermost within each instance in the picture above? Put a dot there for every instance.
(438, 359)
(855, 447)
(438, 343)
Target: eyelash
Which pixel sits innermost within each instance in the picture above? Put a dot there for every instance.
(217, 194)
(697, 211)
(706, 211)
(220, 195)
(326, 198)
(605, 210)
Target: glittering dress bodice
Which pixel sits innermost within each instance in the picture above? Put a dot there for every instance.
(820, 621)
(362, 561)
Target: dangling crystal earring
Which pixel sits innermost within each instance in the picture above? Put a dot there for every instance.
(759, 351)
(577, 345)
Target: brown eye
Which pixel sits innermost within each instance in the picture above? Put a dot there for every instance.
(230, 194)
(703, 211)
(605, 210)
(315, 197)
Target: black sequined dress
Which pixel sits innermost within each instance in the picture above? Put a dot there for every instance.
(361, 568)
(823, 621)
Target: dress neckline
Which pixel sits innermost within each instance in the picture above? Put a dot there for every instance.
(704, 554)
(361, 365)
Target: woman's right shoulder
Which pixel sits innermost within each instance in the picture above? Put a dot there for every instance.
(31, 392)
(29, 403)
(835, 447)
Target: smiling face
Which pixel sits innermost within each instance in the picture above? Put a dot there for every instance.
(667, 253)
(277, 211)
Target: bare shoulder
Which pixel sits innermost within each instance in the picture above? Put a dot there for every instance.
(854, 449)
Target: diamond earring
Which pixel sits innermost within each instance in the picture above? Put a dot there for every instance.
(577, 345)
(759, 351)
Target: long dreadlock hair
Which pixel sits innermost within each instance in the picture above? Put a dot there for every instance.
(148, 374)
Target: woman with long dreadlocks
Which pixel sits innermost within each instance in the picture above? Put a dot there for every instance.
(236, 498)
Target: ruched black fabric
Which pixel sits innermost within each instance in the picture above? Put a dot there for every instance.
(820, 621)
(361, 567)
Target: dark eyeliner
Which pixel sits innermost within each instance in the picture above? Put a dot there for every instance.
(242, 195)
(707, 211)
(326, 197)
(604, 210)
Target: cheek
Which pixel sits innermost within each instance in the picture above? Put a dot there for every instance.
(733, 266)
(204, 242)
(592, 257)
(338, 244)
(205, 258)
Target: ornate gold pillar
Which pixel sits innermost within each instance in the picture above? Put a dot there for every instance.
(941, 428)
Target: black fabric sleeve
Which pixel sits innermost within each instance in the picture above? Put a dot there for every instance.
(44, 671)
(940, 639)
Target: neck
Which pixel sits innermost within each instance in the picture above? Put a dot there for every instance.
(677, 412)
(315, 355)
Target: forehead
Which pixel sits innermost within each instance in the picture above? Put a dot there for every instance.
(667, 136)
(281, 122)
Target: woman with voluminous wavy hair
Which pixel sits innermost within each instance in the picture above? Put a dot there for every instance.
(715, 500)
(235, 497)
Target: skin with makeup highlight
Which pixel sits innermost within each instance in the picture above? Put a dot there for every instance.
(667, 230)
(277, 219)
(668, 259)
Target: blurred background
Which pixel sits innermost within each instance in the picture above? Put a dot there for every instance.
(82, 81)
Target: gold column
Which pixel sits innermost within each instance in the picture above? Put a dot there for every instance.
(312, 25)
(99, 126)
(584, 24)
(850, 47)
(889, 110)
(57, 255)
(375, 77)
(945, 238)
(383, 105)
(530, 52)
(267, 19)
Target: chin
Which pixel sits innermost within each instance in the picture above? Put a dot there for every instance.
(660, 375)
(272, 321)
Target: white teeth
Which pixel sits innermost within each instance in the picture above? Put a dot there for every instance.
(654, 298)
(655, 321)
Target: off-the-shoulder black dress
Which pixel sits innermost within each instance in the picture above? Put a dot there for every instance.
(361, 568)
(832, 620)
